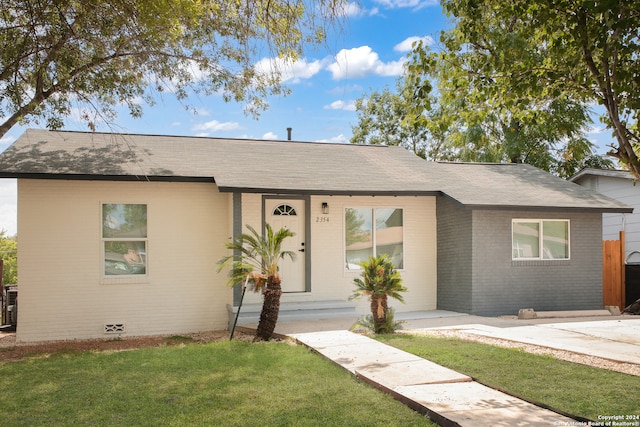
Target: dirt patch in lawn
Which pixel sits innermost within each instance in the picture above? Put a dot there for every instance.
(11, 352)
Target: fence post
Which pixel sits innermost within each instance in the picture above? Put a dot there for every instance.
(623, 281)
(613, 272)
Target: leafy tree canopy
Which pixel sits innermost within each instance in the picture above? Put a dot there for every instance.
(533, 67)
(60, 53)
(9, 254)
(453, 123)
(381, 120)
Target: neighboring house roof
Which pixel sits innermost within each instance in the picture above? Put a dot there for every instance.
(611, 173)
(290, 167)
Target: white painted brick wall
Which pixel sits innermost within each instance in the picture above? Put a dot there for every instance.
(62, 292)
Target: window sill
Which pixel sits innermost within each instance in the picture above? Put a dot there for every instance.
(129, 280)
(539, 262)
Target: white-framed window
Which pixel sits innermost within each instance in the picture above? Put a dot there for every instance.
(535, 239)
(124, 239)
(372, 232)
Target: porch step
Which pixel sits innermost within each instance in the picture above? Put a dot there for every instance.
(295, 311)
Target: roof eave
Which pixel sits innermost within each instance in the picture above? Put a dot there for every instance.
(330, 192)
(94, 177)
(600, 172)
(600, 209)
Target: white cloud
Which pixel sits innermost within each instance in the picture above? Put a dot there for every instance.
(217, 126)
(292, 72)
(353, 9)
(412, 4)
(6, 141)
(363, 61)
(595, 130)
(134, 100)
(341, 105)
(340, 139)
(270, 136)
(202, 112)
(192, 67)
(407, 44)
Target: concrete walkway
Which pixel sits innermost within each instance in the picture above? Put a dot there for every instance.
(447, 397)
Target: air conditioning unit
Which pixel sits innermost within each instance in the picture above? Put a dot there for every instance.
(11, 307)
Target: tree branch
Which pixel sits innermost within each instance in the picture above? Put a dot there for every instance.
(625, 151)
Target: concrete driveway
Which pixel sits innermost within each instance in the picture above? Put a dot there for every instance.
(615, 339)
(610, 337)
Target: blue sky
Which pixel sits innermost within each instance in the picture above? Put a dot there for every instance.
(366, 53)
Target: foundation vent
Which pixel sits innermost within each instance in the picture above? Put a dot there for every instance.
(114, 328)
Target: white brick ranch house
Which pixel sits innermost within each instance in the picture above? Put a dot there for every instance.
(121, 233)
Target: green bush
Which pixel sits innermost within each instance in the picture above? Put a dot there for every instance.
(389, 326)
(9, 254)
(380, 280)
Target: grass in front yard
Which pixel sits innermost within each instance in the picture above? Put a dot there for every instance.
(229, 383)
(576, 389)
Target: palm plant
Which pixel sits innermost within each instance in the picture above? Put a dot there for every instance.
(380, 280)
(255, 259)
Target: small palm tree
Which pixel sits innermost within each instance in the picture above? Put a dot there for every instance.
(255, 257)
(380, 280)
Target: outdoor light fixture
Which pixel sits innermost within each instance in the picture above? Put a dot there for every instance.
(325, 208)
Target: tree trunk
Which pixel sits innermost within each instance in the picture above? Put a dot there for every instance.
(605, 75)
(379, 312)
(270, 309)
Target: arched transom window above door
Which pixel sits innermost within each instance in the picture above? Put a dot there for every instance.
(284, 209)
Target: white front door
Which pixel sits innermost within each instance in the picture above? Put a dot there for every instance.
(289, 213)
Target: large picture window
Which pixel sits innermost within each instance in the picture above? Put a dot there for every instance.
(372, 232)
(540, 239)
(124, 237)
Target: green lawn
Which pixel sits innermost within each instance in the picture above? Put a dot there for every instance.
(575, 389)
(223, 384)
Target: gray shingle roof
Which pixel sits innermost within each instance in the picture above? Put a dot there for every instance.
(290, 167)
(508, 185)
(232, 163)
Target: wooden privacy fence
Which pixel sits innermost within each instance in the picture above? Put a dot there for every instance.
(613, 272)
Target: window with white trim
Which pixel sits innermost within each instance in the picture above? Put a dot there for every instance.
(372, 232)
(124, 239)
(540, 239)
